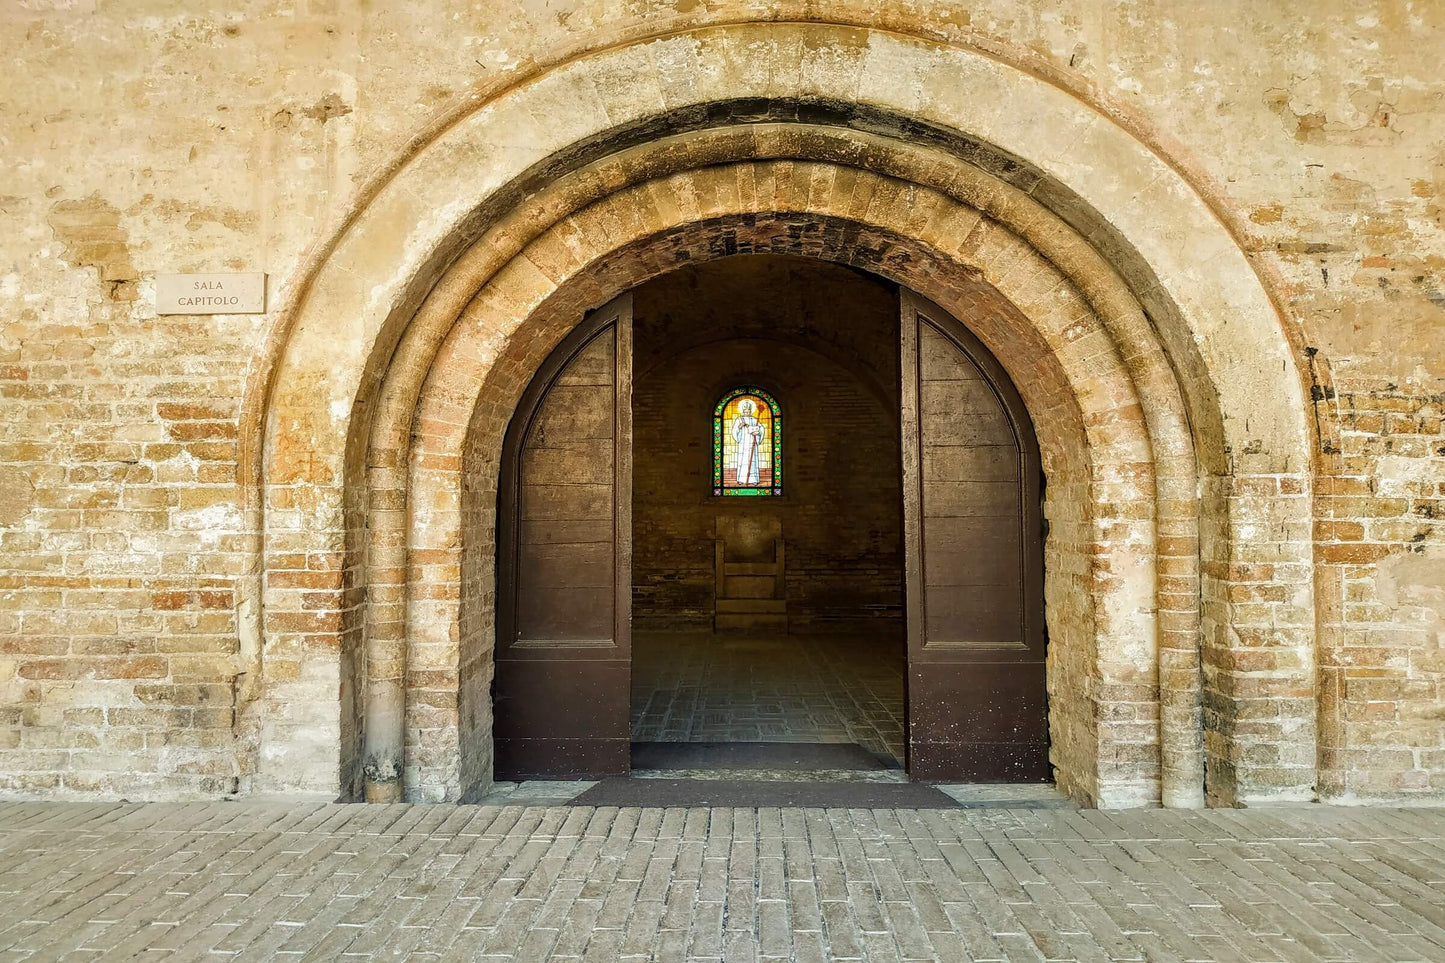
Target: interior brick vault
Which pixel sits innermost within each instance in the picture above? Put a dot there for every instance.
(1204, 531)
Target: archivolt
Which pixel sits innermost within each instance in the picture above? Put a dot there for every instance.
(1066, 362)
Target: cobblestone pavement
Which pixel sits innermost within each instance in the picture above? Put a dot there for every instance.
(254, 881)
(695, 687)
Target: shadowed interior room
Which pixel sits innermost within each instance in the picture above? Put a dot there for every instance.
(779, 617)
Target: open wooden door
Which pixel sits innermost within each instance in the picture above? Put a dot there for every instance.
(564, 561)
(976, 701)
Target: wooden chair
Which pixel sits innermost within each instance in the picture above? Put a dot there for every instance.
(748, 557)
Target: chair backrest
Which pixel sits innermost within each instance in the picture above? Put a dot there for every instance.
(749, 537)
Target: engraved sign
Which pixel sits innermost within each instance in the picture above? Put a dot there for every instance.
(211, 293)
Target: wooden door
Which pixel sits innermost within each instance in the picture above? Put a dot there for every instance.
(564, 561)
(973, 549)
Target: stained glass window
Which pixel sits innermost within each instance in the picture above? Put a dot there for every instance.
(747, 444)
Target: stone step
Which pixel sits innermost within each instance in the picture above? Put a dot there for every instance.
(752, 606)
(777, 775)
(751, 568)
(751, 793)
(750, 620)
(1028, 795)
(749, 587)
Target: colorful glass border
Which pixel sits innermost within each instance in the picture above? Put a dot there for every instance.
(717, 446)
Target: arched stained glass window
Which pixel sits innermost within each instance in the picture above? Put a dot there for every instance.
(747, 444)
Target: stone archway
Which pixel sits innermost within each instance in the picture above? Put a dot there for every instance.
(1135, 314)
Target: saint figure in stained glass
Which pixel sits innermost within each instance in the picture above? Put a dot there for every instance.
(748, 434)
(747, 444)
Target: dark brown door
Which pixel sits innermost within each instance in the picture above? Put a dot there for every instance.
(977, 709)
(564, 561)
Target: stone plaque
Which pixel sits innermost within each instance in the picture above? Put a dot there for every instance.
(211, 293)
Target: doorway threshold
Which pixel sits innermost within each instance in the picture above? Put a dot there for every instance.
(847, 757)
(770, 774)
(763, 793)
(1007, 795)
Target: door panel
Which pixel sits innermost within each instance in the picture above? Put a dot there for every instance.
(977, 709)
(973, 549)
(564, 561)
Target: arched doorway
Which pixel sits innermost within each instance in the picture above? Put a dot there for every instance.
(1166, 397)
(912, 473)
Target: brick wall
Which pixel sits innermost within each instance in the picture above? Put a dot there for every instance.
(1378, 534)
(221, 138)
(119, 536)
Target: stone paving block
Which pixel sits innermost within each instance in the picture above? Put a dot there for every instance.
(652, 885)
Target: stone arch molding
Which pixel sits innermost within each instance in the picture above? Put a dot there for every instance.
(324, 496)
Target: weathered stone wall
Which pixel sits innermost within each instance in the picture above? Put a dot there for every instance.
(149, 137)
(824, 341)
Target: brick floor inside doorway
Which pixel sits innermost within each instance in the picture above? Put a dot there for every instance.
(800, 694)
(698, 687)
